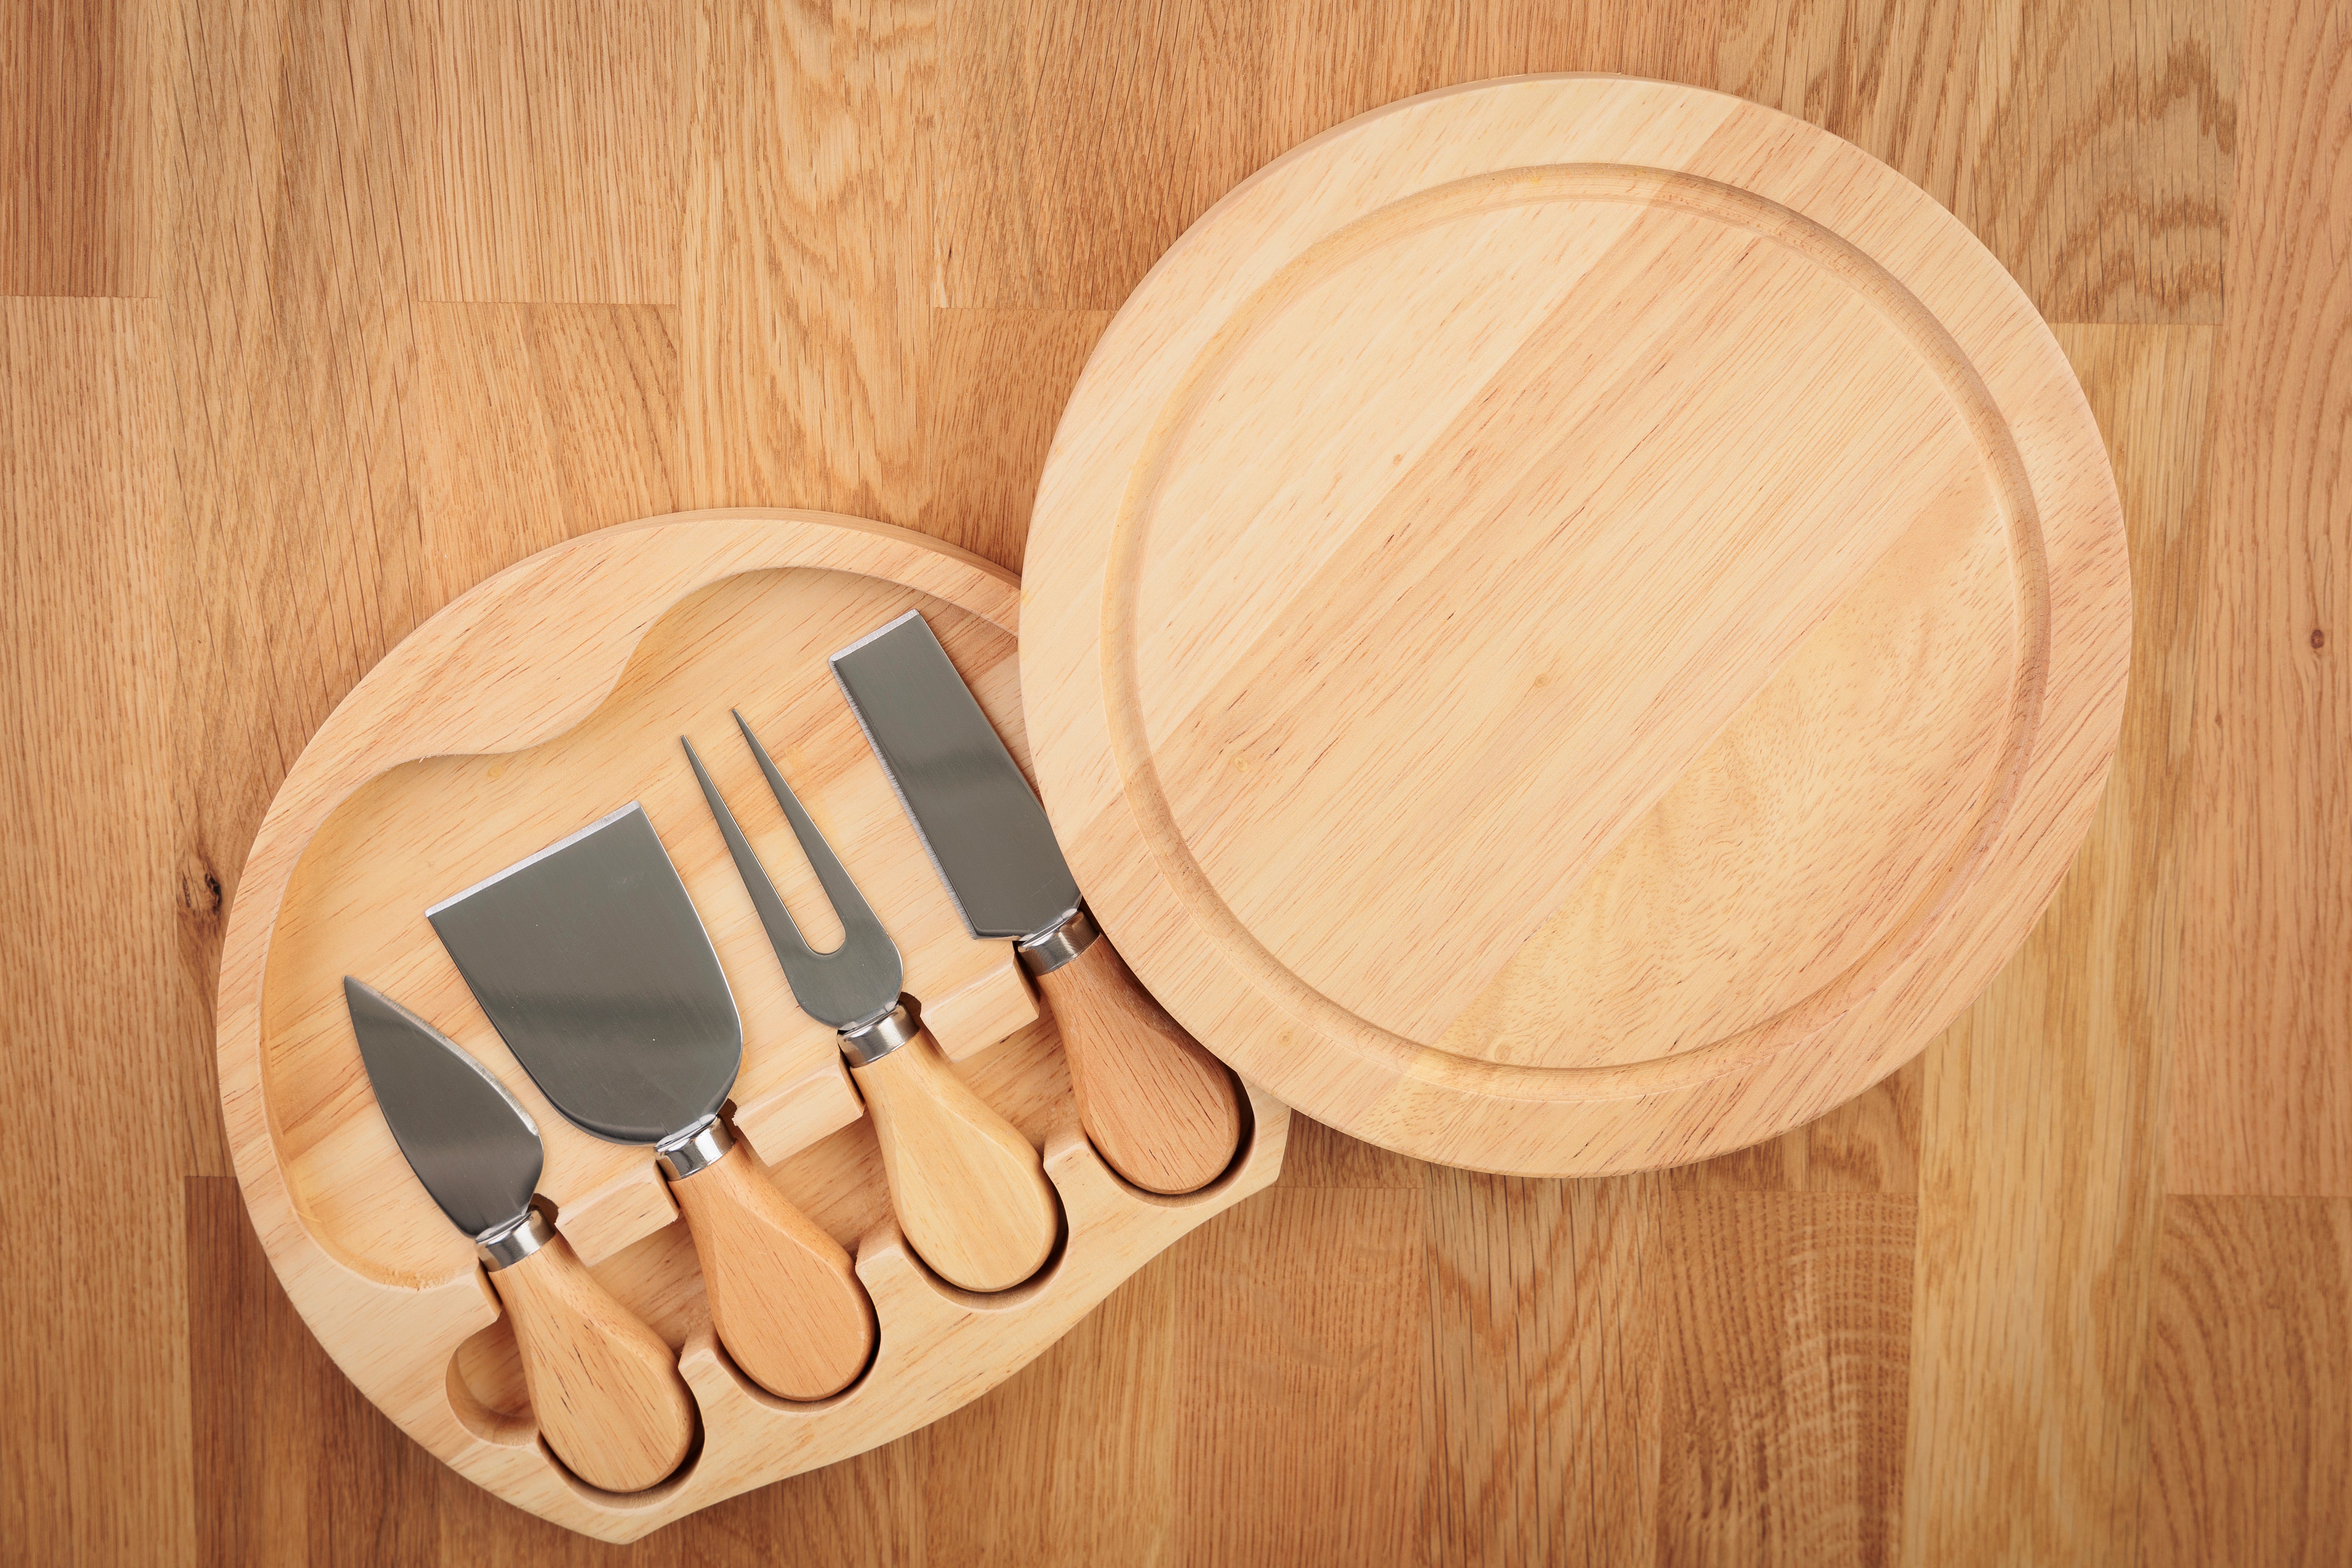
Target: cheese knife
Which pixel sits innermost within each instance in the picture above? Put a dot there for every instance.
(969, 1190)
(1163, 1111)
(604, 1388)
(592, 963)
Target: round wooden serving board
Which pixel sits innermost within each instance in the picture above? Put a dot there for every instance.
(536, 703)
(1572, 623)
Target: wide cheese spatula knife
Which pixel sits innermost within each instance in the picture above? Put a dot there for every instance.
(603, 1386)
(590, 959)
(1161, 1110)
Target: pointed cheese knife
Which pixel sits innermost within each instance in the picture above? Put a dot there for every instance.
(1158, 1107)
(603, 1386)
(968, 1188)
(590, 959)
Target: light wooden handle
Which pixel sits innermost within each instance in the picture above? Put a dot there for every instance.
(604, 1388)
(1158, 1106)
(970, 1191)
(783, 1297)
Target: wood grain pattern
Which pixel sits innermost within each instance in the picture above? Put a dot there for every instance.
(982, 1012)
(2250, 1379)
(85, 449)
(2052, 1084)
(542, 147)
(2264, 1104)
(1073, 1462)
(968, 1189)
(985, 450)
(1784, 1377)
(221, 506)
(1042, 208)
(807, 254)
(1835, 690)
(604, 1388)
(1869, 1144)
(1298, 1323)
(2092, 153)
(265, 1393)
(535, 424)
(1543, 1412)
(81, 149)
(1163, 1111)
(301, 523)
(782, 1296)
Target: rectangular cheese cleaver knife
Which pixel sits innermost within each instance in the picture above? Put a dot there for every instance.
(1163, 1111)
(604, 1388)
(591, 960)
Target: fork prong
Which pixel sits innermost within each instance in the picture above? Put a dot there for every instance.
(856, 982)
(784, 935)
(857, 922)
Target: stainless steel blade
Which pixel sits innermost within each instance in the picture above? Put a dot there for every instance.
(985, 829)
(590, 959)
(474, 1149)
(857, 981)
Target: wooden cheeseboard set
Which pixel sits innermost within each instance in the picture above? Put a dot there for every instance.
(1572, 623)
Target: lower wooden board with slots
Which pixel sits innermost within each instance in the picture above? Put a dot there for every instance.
(538, 702)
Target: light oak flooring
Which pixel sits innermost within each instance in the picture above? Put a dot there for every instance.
(315, 313)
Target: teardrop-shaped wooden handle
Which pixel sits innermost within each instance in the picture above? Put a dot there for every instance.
(1163, 1111)
(970, 1191)
(604, 1388)
(783, 1297)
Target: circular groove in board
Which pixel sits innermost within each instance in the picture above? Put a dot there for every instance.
(1691, 1061)
(1572, 622)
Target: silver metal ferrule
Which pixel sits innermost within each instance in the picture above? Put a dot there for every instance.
(504, 1249)
(1051, 949)
(870, 1042)
(697, 1148)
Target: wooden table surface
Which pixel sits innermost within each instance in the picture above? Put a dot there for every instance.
(316, 314)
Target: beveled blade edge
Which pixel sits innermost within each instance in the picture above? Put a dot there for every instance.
(935, 678)
(593, 1039)
(471, 1144)
(874, 745)
(527, 861)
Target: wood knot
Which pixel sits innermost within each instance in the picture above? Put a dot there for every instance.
(200, 888)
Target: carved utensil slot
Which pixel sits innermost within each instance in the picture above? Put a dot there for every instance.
(541, 701)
